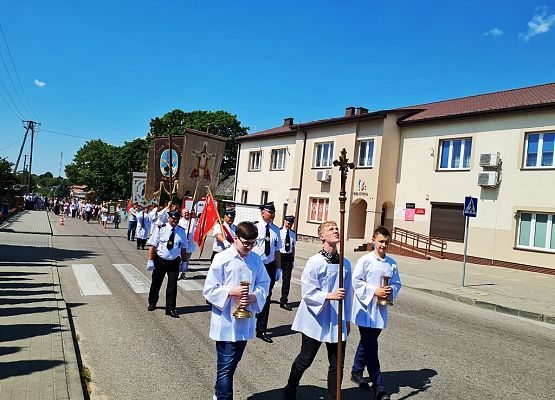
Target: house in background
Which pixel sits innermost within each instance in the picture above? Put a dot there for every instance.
(414, 166)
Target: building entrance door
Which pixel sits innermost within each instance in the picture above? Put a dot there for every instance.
(357, 219)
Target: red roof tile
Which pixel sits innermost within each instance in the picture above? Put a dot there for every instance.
(533, 96)
(278, 131)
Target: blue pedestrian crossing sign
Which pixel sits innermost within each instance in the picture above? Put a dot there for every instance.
(470, 206)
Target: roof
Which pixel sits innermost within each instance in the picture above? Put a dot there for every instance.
(278, 131)
(340, 120)
(508, 100)
(532, 97)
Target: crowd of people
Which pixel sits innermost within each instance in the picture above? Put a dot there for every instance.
(247, 260)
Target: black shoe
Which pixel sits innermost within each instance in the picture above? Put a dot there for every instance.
(360, 381)
(182, 276)
(151, 307)
(264, 337)
(381, 395)
(172, 313)
(286, 306)
(289, 393)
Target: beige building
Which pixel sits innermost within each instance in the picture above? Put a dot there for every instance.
(413, 168)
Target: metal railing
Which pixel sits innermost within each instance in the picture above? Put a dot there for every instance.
(418, 242)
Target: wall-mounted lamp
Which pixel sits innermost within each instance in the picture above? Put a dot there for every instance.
(427, 197)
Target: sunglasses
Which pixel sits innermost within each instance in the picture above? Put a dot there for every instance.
(247, 243)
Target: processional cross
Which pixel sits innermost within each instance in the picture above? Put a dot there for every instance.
(344, 166)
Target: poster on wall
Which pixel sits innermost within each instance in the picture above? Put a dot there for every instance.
(409, 211)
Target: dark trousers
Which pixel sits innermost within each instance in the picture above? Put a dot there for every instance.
(131, 226)
(287, 271)
(262, 317)
(161, 268)
(141, 243)
(88, 215)
(367, 356)
(309, 349)
(229, 355)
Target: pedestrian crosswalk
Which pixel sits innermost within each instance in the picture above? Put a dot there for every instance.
(91, 283)
(89, 280)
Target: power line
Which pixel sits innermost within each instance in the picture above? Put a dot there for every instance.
(13, 144)
(10, 107)
(75, 136)
(13, 84)
(16, 74)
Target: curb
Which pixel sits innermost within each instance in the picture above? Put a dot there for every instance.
(488, 306)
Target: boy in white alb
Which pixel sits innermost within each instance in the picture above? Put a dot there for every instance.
(317, 315)
(368, 314)
(224, 291)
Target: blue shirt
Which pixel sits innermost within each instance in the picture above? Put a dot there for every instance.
(160, 237)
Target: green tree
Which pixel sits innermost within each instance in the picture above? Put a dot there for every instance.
(220, 123)
(131, 157)
(94, 166)
(7, 178)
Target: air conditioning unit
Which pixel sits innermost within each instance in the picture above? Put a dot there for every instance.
(324, 175)
(490, 160)
(490, 179)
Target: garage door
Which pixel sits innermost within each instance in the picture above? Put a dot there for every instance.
(447, 221)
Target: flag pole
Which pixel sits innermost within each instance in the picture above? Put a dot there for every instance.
(344, 167)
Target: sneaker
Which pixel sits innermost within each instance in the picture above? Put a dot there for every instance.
(182, 276)
(360, 381)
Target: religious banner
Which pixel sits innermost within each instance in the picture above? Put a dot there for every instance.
(187, 169)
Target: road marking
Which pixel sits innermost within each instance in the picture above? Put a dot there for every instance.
(137, 281)
(89, 281)
(190, 285)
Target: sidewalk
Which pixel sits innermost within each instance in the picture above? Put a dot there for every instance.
(520, 293)
(37, 353)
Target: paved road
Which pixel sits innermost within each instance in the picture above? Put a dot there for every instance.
(434, 348)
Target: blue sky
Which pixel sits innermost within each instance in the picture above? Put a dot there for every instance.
(104, 68)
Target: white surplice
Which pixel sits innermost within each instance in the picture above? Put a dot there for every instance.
(317, 317)
(367, 277)
(227, 270)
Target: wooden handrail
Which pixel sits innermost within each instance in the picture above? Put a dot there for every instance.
(429, 244)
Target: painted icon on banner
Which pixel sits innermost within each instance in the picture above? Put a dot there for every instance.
(165, 167)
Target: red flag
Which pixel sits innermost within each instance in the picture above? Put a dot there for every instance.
(129, 205)
(207, 220)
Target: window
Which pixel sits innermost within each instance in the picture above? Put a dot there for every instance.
(539, 150)
(323, 155)
(366, 153)
(319, 208)
(254, 160)
(278, 160)
(447, 222)
(455, 154)
(536, 231)
(244, 194)
(264, 197)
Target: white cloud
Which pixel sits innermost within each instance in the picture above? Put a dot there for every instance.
(494, 32)
(540, 23)
(39, 83)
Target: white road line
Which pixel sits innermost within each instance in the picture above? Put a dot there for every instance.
(89, 281)
(190, 285)
(137, 281)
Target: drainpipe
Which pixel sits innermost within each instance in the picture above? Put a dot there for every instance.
(236, 171)
(300, 182)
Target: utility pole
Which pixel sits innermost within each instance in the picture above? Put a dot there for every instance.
(61, 157)
(24, 177)
(31, 125)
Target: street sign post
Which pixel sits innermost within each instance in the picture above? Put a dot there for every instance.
(470, 210)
